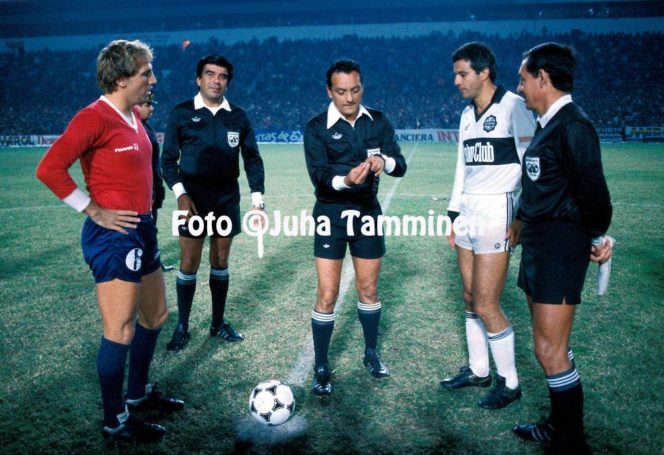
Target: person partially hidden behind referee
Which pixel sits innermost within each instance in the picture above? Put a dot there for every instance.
(346, 148)
(204, 139)
(565, 209)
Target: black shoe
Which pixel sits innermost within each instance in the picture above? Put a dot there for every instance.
(134, 429)
(321, 385)
(155, 401)
(166, 268)
(373, 363)
(466, 378)
(226, 332)
(535, 432)
(500, 396)
(178, 341)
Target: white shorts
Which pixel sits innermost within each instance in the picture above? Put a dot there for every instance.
(483, 222)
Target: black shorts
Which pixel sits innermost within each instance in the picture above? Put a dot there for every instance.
(554, 261)
(221, 202)
(333, 246)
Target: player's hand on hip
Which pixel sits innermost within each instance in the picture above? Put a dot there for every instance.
(185, 203)
(358, 174)
(601, 253)
(376, 163)
(116, 220)
(514, 233)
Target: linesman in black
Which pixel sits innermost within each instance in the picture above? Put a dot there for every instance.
(347, 147)
(201, 163)
(564, 211)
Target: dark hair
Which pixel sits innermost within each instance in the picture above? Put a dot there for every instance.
(480, 57)
(557, 60)
(120, 59)
(214, 60)
(343, 66)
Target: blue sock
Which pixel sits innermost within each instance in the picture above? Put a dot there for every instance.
(140, 357)
(111, 360)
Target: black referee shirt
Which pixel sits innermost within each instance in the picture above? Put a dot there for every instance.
(205, 149)
(562, 174)
(335, 151)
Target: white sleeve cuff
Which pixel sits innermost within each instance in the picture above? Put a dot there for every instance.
(390, 163)
(179, 190)
(77, 200)
(338, 183)
(257, 199)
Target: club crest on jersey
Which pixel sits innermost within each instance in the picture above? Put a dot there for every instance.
(490, 123)
(233, 138)
(337, 135)
(533, 167)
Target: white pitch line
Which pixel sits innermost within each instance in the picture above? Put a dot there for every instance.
(305, 361)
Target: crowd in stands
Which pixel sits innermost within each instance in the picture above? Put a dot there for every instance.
(281, 83)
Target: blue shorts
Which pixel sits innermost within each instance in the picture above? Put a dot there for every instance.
(111, 254)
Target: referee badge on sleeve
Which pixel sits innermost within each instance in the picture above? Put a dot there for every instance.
(533, 167)
(233, 138)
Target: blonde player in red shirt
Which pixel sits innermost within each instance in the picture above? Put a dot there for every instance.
(119, 240)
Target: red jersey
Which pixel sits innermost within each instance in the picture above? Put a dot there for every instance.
(116, 159)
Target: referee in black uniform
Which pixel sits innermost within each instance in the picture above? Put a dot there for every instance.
(201, 163)
(565, 209)
(347, 147)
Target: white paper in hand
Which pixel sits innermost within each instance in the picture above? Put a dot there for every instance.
(604, 270)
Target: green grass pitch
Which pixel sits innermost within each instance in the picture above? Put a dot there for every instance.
(50, 329)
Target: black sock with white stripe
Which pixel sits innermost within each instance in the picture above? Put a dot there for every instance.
(185, 287)
(566, 396)
(369, 315)
(219, 279)
(322, 325)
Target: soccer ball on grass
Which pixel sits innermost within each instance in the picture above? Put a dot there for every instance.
(271, 402)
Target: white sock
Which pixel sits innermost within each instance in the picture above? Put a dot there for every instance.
(478, 349)
(502, 350)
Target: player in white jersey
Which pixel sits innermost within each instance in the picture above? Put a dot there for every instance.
(494, 131)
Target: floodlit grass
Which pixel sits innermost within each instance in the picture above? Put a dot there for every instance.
(49, 396)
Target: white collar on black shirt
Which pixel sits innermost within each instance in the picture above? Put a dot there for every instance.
(333, 115)
(131, 121)
(200, 104)
(553, 109)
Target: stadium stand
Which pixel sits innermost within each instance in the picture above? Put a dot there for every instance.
(279, 80)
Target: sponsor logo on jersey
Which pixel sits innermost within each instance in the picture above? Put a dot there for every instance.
(490, 123)
(479, 153)
(233, 138)
(337, 135)
(196, 119)
(533, 167)
(129, 148)
(133, 259)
